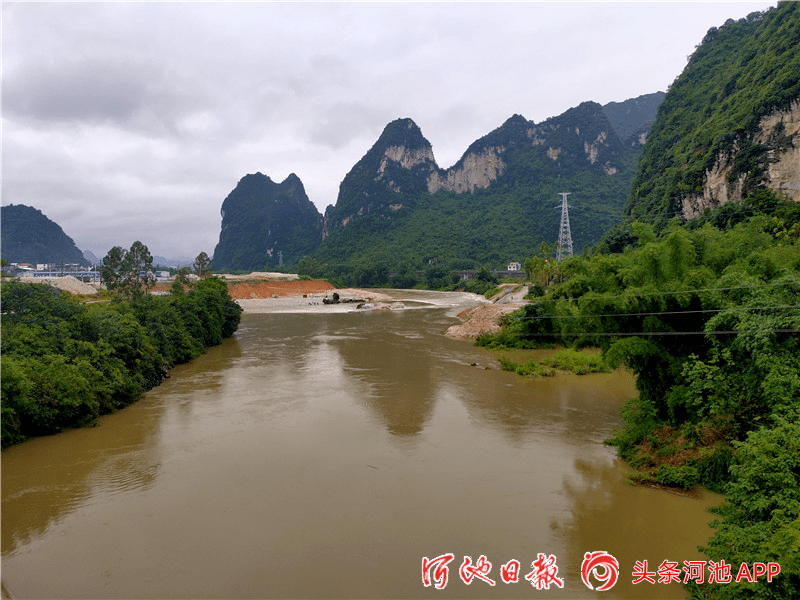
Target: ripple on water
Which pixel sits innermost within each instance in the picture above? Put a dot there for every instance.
(131, 471)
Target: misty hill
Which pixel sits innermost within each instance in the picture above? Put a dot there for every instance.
(91, 258)
(730, 123)
(262, 219)
(397, 207)
(633, 117)
(175, 262)
(29, 236)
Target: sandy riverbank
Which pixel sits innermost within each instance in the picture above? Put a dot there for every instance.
(307, 296)
(301, 296)
(480, 320)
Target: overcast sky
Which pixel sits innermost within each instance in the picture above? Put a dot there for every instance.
(133, 121)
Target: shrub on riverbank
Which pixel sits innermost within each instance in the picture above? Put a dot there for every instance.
(64, 363)
(565, 359)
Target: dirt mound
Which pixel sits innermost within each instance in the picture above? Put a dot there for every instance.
(260, 275)
(68, 283)
(270, 289)
(479, 320)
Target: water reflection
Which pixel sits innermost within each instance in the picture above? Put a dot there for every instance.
(46, 478)
(397, 376)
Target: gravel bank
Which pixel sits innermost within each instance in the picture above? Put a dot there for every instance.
(67, 283)
(479, 320)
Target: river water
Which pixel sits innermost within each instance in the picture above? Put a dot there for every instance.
(323, 455)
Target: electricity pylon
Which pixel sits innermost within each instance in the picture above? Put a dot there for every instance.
(564, 235)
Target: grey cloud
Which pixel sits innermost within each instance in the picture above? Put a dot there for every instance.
(338, 124)
(93, 91)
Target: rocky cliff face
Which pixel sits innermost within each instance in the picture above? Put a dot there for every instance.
(476, 169)
(484, 161)
(780, 132)
(778, 135)
(728, 126)
(386, 180)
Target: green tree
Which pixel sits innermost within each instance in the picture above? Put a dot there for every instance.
(111, 272)
(130, 273)
(309, 267)
(201, 265)
(181, 279)
(542, 268)
(760, 518)
(138, 269)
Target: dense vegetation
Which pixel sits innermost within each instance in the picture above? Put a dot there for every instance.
(266, 224)
(740, 72)
(64, 363)
(29, 236)
(707, 317)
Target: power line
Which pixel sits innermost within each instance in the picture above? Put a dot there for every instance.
(646, 333)
(667, 312)
(725, 289)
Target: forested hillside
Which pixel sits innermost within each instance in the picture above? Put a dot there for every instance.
(633, 118)
(710, 143)
(29, 236)
(707, 316)
(266, 223)
(497, 204)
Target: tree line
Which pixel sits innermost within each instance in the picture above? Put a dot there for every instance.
(64, 362)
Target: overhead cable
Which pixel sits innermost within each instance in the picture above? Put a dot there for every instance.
(646, 333)
(629, 295)
(667, 312)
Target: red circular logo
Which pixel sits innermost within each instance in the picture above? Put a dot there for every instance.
(592, 562)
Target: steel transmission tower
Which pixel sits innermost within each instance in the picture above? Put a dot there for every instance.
(564, 235)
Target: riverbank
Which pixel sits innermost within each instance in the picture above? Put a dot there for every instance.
(300, 296)
(479, 317)
(480, 320)
(65, 362)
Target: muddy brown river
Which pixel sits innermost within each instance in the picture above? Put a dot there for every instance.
(323, 456)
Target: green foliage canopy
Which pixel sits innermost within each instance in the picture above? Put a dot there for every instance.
(65, 363)
(130, 272)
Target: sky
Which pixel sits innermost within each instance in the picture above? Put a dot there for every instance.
(134, 121)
